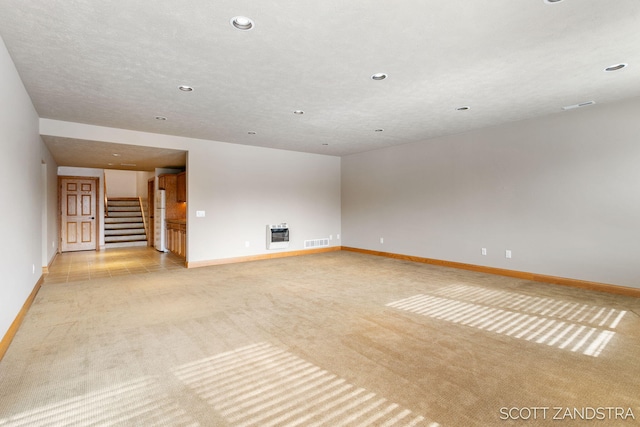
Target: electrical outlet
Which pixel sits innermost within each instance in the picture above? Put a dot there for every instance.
(381, 240)
(247, 244)
(338, 236)
(330, 236)
(507, 253)
(484, 251)
(200, 214)
(33, 269)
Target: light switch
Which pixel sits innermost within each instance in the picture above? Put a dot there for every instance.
(200, 214)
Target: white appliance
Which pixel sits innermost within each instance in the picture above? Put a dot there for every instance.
(159, 229)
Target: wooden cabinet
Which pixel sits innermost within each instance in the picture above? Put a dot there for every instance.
(177, 237)
(175, 187)
(174, 209)
(168, 183)
(181, 190)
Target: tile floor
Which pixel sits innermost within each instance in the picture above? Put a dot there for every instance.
(88, 265)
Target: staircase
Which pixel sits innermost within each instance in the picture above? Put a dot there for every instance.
(123, 224)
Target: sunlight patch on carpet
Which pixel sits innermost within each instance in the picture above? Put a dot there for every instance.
(545, 306)
(572, 326)
(262, 385)
(138, 402)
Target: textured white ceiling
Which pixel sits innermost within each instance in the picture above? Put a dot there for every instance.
(119, 64)
(106, 155)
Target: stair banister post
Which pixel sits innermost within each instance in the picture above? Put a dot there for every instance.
(106, 204)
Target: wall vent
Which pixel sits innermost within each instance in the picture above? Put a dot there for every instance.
(316, 243)
(582, 104)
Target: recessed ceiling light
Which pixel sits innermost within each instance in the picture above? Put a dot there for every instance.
(298, 112)
(324, 143)
(552, 1)
(128, 164)
(378, 76)
(379, 130)
(463, 108)
(616, 67)
(116, 155)
(251, 132)
(242, 23)
(185, 88)
(161, 118)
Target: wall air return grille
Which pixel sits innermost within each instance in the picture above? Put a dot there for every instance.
(317, 243)
(582, 104)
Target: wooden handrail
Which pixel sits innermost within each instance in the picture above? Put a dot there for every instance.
(106, 204)
(144, 219)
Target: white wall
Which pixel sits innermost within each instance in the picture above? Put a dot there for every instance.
(24, 194)
(121, 183)
(241, 189)
(50, 207)
(142, 179)
(561, 192)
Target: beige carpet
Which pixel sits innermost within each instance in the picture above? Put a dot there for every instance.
(330, 339)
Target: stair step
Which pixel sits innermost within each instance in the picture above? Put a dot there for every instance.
(127, 214)
(122, 202)
(124, 244)
(123, 225)
(125, 232)
(123, 208)
(127, 238)
(122, 219)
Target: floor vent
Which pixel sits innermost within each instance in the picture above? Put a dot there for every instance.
(316, 243)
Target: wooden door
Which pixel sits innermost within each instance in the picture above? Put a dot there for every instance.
(78, 207)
